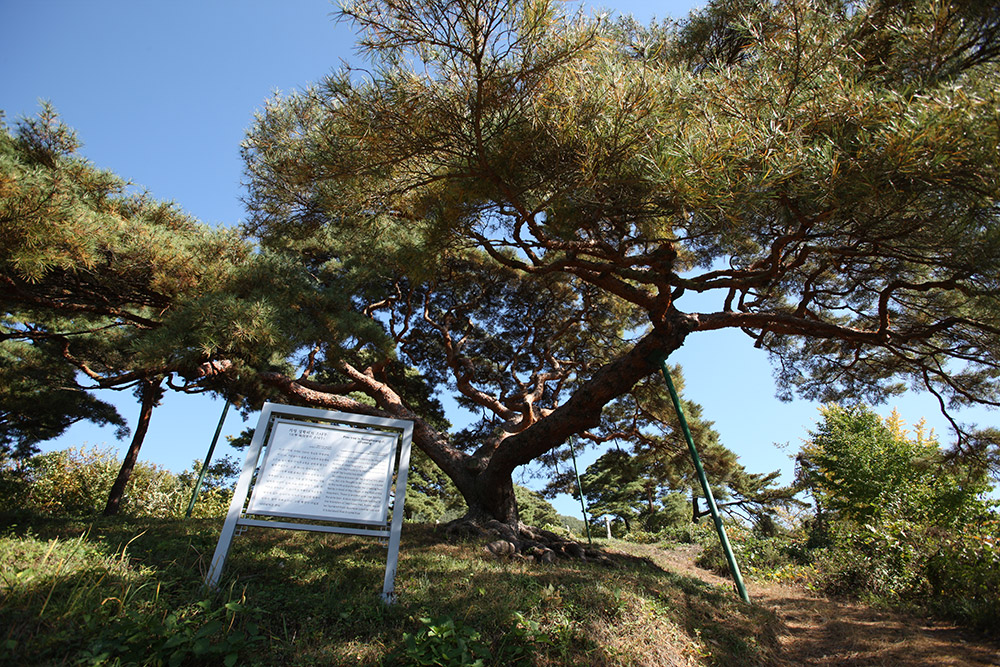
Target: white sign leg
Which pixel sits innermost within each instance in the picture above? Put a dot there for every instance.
(239, 498)
(392, 558)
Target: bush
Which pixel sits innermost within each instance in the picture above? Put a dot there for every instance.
(640, 536)
(533, 508)
(713, 559)
(872, 561)
(964, 576)
(758, 555)
(954, 572)
(899, 521)
(683, 534)
(70, 482)
(77, 481)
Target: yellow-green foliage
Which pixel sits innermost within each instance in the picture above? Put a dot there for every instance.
(897, 520)
(76, 482)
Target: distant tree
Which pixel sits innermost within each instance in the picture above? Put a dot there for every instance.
(657, 460)
(574, 525)
(524, 201)
(862, 469)
(430, 495)
(615, 486)
(756, 498)
(222, 474)
(644, 487)
(534, 509)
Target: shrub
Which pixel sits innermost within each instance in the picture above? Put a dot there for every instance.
(954, 572)
(758, 555)
(70, 482)
(76, 482)
(964, 575)
(899, 521)
(640, 536)
(684, 534)
(713, 559)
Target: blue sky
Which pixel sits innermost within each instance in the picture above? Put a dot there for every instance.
(162, 94)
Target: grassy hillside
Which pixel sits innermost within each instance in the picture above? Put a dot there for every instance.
(128, 591)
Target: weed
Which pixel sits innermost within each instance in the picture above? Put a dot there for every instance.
(445, 642)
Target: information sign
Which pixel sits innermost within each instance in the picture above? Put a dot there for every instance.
(322, 465)
(314, 471)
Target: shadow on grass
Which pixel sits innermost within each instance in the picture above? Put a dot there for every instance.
(860, 635)
(317, 598)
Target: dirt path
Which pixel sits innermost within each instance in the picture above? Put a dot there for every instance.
(819, 631)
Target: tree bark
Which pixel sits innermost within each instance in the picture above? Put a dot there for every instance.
(491, 495)
(494, 501)
(583, 409)
(486, 482)
(149, 395)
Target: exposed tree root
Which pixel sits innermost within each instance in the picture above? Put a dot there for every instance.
(523, 542)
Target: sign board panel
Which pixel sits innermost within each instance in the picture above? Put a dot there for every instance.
(336, 467)
(325, 472)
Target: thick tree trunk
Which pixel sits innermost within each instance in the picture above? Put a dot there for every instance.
(149, 395)
(493, 501)
(583, 409)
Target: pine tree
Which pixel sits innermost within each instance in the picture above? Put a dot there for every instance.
(824, 175)
(97, 282)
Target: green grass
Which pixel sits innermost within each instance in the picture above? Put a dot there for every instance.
(128, 591)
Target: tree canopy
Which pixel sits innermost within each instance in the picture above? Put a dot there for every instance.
(526, 201)
(40, 398)
(533, 209)
(863, 469)
(92, 276)
(107, 288)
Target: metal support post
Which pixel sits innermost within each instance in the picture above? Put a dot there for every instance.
(208, 459)
(579, 486)
(734, 568)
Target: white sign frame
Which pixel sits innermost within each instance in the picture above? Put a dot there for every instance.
(359, 430)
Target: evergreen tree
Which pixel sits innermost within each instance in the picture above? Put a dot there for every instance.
(523, 200)
(40, 398)
(519, 203)
(104, 289)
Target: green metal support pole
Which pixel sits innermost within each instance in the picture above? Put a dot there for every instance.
(208, 459)
(579, 486)
(734, 568)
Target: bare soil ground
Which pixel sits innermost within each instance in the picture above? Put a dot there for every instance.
(820, 631)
